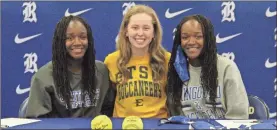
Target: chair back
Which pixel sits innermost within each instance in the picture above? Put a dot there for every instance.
(23, 107)
(257, 108)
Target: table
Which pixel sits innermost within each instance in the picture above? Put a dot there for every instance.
(84, 123)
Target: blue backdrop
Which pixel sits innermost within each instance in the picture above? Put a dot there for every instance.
(246, 33)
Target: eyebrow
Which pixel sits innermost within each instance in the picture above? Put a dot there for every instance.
(80, 33)
(194, 33)
(142, 25)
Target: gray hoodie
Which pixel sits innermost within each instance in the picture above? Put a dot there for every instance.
(45, 102)
(231, 101)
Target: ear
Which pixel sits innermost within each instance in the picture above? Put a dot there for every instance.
(126, 32)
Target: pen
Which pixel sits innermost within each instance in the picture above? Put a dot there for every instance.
(246, 121)
(4, 126)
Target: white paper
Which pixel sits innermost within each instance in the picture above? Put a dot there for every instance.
(10, 122)
(237, 123)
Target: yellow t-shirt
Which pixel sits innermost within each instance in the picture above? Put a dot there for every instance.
(139, 96)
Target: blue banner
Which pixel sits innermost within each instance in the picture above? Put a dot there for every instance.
(245, 32)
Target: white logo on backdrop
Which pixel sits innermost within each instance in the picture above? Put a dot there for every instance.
(228, 11)
(29, 11)
(269, 63)
(19, 40)
(174, 30)
(31, 62)
(21, 90)
(169, 14)
(226, 38)
(273, 114)
(269, 13)
(67, 13)
(127, 6)
(275, 36)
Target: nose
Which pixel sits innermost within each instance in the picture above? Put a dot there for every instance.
(77, 41)
(140, 32)
(192, 40)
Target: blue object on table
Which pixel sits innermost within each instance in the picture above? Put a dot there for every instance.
(244, 127)
(175, 120)
(200, 125)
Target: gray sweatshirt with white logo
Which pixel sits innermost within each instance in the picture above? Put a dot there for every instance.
(231, 101)
(45, 102)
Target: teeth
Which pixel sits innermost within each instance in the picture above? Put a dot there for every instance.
(77, 49)
(192, 47)
(139, 40)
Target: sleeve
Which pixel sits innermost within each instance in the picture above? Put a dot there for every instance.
(108, 104)
(109, 101)
(39, 103)
(236, 100)
(106, 60)
(172, 109)
(108, 64)
(167, 58)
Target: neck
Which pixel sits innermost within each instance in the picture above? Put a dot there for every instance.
(139, 52)
(195, 62)
(75, 65)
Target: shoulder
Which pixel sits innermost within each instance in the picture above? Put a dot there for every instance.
(167, 55)
(110, 58)
(44, 75)
(112, 55)
(224, 62)
(101, 67)
(44, 71)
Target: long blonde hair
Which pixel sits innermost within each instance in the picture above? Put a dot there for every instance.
(156, 50)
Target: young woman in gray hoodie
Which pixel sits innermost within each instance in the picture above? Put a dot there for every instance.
(201, 83)
(73, 83)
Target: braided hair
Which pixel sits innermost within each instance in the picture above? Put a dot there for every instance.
(207, 58)
(60, 58)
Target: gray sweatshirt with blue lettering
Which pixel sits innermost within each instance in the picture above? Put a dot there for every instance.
(45, 102)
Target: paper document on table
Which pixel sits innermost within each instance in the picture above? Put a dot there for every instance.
(10, 122)
(237, 123)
